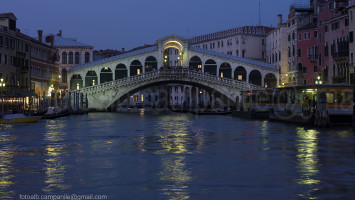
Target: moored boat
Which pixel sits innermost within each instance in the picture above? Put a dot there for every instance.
(19, 118)
(299, 104)
(54, 113)
(212, 112)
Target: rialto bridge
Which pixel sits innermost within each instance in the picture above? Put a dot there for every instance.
(113, 79)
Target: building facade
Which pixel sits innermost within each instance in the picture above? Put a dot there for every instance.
(246, 42)
(296, 20)
(276, 49)
(44, 71)
(308, 54)
(69, 53)
(15, 55)
(333, 24)
(351, 40)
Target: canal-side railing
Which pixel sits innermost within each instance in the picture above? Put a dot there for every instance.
(171, 73)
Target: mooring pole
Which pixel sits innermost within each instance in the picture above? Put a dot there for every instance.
(354, 98)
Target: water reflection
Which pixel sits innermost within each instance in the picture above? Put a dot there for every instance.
(173, 131)
(6, 156)
(175, 175)
(265, 141)
(174, 140)
(55, 152)
(307, 146)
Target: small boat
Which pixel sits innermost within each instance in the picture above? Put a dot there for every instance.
(54, 113)
(37, 113)
(212, 112)
(19, 118)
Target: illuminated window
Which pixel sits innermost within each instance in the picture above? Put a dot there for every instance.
(142, 97)
(199, 66)
(93, 82)
(77, 86)
(240, 77)
(222, 74)
(138, 71)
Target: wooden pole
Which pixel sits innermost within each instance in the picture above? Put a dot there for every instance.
(322, 118)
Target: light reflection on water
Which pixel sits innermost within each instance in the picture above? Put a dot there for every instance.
(176, 156)
(174, 138)
(307, 147)
(6, 156)
(55, 164)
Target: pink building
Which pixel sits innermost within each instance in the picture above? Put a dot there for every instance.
(307, 53)
(333, 45)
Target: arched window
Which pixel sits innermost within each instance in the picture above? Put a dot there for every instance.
(151, 64)
(87, 57)
(71, 58)
(64, 75)
(77, 57)
(64, 58)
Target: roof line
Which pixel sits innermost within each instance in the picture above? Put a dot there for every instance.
(121, 56)
(245, 60)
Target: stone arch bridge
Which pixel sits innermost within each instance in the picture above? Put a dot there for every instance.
(113, 79)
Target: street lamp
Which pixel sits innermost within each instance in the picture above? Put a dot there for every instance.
(2, 85)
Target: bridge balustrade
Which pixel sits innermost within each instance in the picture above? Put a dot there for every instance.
(182, 72)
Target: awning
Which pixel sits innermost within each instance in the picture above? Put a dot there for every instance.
(11, 93)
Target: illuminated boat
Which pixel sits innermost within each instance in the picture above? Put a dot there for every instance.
(299, 103)
(19, 118)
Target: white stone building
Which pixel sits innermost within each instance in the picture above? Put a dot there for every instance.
(70, 53)
(246, 42)
(276, 49)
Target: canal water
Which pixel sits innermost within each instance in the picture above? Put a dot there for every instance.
(175, 156)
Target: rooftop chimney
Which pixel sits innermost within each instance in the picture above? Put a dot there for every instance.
(279, 19)
(40, 33)
(52, 40)
(59, 33)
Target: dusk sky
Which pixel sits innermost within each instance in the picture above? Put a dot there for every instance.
(116, 24)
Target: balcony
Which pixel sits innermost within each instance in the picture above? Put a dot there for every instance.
(338, 79)
(312, 57)
(22, 69)
(341, 55)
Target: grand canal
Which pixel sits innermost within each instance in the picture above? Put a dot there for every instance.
(176, 156)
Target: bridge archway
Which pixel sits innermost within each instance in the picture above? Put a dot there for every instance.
(255, 77)
(121, 71)
(191, 99)
(210, 67)
(76, 82)
(105, 75)
(240, 74)
(150, 64)
(173, 53)
(135, 68)
(91, 78)
(225, 70)
(270, 81)
(195, 63)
